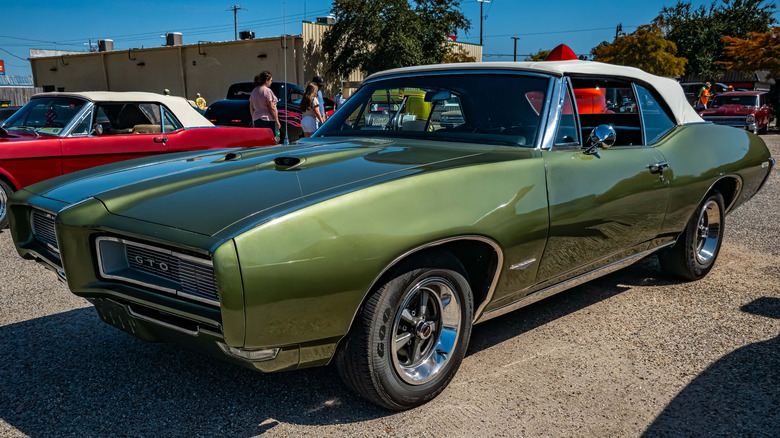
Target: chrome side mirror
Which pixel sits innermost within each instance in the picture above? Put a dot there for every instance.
(602, 136)
(97, 129)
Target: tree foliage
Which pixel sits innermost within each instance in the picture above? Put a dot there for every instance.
(458, 54)
(645, 48)
(382, 34)
(697, 31)
(538, 56)
(759, 51)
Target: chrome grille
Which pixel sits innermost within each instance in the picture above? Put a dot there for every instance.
(726, 120)
(43, 229)
(158, 268)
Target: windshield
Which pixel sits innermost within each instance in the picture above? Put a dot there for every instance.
(45, 115)
(750, 101)
(484, 108)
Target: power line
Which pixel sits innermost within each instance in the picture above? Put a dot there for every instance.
(554, 32)
(6, 51)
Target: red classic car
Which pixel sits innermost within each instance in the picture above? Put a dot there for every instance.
(59, 133)
(742, 109)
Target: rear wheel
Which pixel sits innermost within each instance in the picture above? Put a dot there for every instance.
(694, 254)
(5, 192)
(411, 335)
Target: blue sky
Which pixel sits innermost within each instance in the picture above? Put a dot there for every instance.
(68, 25)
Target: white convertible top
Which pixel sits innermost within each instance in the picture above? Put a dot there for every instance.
(183, 111)
(669, 89)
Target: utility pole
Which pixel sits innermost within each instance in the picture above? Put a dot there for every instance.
(481, 3)
(515, 38)
(235, 9)
(618, 30)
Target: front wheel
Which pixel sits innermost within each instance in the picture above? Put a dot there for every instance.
(411, 335)
(694, 254)
(5, 192)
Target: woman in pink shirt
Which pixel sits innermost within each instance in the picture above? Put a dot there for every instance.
(262, 103)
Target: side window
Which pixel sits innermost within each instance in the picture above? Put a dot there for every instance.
(655, 120)
(170, 123)
(608, 101)
(295, 97)
(84, 126)
(567, 126)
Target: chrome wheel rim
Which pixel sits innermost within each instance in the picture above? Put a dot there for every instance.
(3, 203)
(426, 330)
(708, 232)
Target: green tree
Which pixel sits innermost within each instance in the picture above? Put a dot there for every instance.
(645, 48)
(458, 54)
(538, 56)
(759, 51)
(697, 31)
(383, 34)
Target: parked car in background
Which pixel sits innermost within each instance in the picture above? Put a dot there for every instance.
(59, 133)
(6, 112)
(378, 242)
(750, 110)
(691, 90)
(234, 109)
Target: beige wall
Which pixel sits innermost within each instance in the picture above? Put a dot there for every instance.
(208, 69)
(184, 70)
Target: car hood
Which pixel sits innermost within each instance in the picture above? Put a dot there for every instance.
(14, 135)
(729, 110)
(207, 193)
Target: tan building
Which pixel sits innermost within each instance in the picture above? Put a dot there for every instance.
(207, 68)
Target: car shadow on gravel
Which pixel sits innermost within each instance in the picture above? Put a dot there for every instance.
(643, 273)
(69, 374)
(739, 395)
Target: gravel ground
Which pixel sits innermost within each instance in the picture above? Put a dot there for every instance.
(629, 354)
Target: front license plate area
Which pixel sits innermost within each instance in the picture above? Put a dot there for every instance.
(118, 315)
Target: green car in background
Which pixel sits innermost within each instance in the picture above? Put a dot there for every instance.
(381, 240)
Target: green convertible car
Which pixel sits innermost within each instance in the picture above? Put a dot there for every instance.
(378, 242)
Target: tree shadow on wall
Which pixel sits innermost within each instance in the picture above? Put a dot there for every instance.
(739, 395)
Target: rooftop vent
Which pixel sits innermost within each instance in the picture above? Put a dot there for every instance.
(326, 20)
(246, 35)
(105, 45)
(173, 39)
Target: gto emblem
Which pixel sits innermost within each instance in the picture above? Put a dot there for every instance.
(151, 263)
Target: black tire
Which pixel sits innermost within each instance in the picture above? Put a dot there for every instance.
(5, 192)
(385, 375)
(697, 248)
(765, 129)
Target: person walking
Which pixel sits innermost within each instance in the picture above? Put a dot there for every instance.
(338, 100)
(320, 82)
(704, 95)
(311, 118)
(200, 102)
(262, 103)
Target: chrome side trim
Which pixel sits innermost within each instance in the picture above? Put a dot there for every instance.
(162, 323)
(522, 265)
(568, 284)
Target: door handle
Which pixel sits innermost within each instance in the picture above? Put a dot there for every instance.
(162, 140)
(658, 167)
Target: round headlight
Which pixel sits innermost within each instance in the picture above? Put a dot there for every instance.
(751, 118)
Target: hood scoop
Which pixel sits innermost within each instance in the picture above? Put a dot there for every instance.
(288, 163)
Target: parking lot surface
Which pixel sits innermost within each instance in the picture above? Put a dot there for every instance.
(629, 354)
